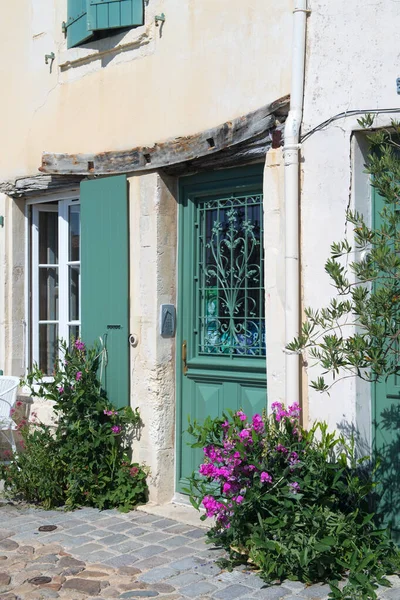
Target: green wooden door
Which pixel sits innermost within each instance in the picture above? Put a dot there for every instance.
(386, 428)
(105, 272)
(221, 356)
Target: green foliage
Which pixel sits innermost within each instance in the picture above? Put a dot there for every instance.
(84, 459)
(358, 334)
(292, 503)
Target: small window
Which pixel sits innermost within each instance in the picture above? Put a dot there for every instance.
(88, 19)
(55, 280)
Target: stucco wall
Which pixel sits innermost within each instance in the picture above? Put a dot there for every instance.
(352, 63)
(210, 62)
(153, 229)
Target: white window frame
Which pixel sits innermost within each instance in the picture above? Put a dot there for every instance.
(61, 206)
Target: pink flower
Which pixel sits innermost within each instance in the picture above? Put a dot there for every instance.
(61, 389)
(265, 477)
(294, 458)
(213, 507)
(280, 412)
(12, 411)
(294, 410)
(110, 413)
(241, 415)
(258, 424)
(280, 448)
(239, 499)
(79, 345)
(116, 429)
(295, 487)
(223, 472)
(214, 454)
(19, 403)
(226, 488)
(134, 471)
(207, 470)
(78, 376)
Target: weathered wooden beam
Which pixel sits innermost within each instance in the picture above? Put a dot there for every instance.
(171, 152)
(240, 154)
(39, 184)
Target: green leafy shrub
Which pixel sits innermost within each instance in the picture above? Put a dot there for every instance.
(84, 459)
(292, 503)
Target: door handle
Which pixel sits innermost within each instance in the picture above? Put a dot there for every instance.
(184, 358)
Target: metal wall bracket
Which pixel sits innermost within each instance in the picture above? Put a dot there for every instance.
(159, 19)
(49, 57)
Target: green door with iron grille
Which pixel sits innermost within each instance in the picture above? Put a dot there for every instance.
(386, 429)
(221, 354)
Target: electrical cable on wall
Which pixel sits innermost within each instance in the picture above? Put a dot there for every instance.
(348, 113)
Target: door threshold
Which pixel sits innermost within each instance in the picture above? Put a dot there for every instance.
(179, 509)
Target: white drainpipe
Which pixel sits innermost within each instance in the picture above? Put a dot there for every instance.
(291, 151)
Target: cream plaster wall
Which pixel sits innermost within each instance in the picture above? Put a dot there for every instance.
(211, 61)
(153, 228)
(352, 63)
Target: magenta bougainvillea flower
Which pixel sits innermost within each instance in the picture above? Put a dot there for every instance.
(251, 454)
(79, 345)
(265, 477)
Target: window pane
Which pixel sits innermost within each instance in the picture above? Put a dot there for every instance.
(74, 232)
(74, 332)
(74, 277)
(48, 294)
(48, 335)
(48, 238)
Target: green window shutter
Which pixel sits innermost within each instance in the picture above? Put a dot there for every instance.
(76, 26)
(107, 14)
(105, 272)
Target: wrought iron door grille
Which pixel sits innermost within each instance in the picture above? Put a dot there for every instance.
(230, 299)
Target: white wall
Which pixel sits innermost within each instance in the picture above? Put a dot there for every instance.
(352, 63)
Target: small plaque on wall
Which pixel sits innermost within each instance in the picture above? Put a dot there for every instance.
(167, 320)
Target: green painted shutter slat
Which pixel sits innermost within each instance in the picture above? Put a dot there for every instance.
(105, 272)
(77, 23)
(108, 14)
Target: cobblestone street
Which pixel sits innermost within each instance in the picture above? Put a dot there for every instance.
(107, 554)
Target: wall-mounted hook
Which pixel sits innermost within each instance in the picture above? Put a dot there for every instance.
(48, 57)
(159, 19)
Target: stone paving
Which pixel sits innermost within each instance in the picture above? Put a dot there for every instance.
(93, 555)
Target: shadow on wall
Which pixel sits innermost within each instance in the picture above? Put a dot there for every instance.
(384, 464)
(387, 442)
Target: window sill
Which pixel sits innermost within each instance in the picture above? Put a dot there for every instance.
(106, 48)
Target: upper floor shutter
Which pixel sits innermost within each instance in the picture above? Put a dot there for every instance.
(107, 14)
(77, 27)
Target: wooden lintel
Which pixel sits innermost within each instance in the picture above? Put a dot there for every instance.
(39, 184)
(171, 152)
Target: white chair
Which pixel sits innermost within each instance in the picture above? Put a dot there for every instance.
(8, 396)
